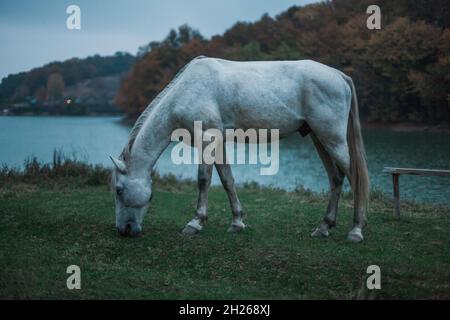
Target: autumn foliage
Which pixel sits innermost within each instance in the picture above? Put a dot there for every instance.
(401, 71)
(48, 82)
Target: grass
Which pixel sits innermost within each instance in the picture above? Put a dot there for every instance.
(48, 224)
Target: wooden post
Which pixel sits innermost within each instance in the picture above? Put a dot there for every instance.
(396, 178)
(396, 172)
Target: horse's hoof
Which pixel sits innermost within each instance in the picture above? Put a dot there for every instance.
(190, 231)
(355, 235)
(193, 227)
(320, 233)
(236, 227)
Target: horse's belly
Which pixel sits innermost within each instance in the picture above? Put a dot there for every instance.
(269, 117)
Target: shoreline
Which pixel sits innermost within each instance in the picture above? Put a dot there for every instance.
(396, 126)
(405, 126)
(68, 173)
(56, 115)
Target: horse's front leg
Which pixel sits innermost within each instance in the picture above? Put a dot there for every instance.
(204, 182)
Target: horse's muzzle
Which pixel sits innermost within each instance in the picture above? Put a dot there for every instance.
(130, 230)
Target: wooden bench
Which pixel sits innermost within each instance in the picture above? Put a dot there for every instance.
(396, 172)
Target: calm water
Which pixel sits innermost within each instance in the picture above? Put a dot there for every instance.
(93, 139)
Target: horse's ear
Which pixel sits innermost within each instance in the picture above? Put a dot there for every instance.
(119, 164)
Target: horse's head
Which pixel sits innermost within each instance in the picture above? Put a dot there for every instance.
(132, 199)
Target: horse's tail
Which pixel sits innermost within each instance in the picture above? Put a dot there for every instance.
(358, 165)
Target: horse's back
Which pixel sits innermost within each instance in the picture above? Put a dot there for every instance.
(284, 81)
(266, 94)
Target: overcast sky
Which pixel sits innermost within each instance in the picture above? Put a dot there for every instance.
(33, 32)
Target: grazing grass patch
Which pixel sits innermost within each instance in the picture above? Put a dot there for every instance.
(46, 227)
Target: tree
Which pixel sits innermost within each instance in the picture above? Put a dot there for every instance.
(55, 85)
(41, 95)
(403, 56)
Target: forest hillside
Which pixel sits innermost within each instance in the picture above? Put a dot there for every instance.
(402, 72)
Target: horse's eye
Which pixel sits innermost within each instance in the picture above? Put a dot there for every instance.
(119, 191)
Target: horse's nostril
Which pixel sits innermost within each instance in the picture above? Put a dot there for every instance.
(125, 232)
(128, 228)
(129, 231)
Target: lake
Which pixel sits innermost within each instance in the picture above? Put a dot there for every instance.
(93, 139)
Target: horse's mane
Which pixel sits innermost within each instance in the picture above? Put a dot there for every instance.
(144, 116)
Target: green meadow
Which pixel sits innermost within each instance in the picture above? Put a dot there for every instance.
(48, 223)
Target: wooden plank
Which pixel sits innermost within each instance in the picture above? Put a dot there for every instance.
(420, 172)
(396, 178)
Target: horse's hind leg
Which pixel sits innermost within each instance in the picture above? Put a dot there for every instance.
(336, 178)
(227, 179)
(339, 152)
(204, 182)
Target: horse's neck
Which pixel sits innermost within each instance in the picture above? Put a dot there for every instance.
(152, 139)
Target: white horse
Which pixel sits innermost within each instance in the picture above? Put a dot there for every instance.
(292, 96)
